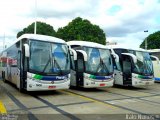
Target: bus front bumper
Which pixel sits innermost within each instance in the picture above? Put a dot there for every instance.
(98, 84)
(33, 85)
(142, 82)
(157, 79)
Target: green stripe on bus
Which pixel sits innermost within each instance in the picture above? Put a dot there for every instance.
(92, 76)
(140, 76)
(39, 77)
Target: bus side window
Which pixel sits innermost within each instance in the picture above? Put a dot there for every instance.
(72, 63)
(118, 66)
(19, 59)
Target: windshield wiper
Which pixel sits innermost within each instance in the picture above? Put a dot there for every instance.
(46, 65)
(66, 55)
(57, 64)
(103, 65)
(147, 67)
(53, 65)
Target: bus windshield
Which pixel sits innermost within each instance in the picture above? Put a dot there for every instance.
(49, 58)
(144, 64)
(99, 61)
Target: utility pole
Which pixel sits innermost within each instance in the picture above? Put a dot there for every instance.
(146, 40)
(35, 24)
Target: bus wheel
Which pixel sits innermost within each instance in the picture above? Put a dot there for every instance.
(3, 77)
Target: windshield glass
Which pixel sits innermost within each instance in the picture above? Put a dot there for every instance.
(144, 63)
(49, 58)
(99, 61)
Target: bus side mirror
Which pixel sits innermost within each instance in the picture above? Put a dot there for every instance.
(116, 57)
(26, 47)
(74, 53)
(132, 56)
(134, 59)
(84, 54)
(157, 59)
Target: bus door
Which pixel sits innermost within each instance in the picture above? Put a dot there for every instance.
(127, 73)
(79, 69)
(9, 77)
(73, 70)
(19, 71)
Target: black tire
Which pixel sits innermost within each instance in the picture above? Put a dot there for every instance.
(72, 87)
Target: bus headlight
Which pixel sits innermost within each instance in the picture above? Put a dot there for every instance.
(30, 85)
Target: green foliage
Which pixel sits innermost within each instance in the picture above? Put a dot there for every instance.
(42, 28)
(153, 41)
(80, 29)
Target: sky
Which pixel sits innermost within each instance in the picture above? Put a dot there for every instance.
(123, 21)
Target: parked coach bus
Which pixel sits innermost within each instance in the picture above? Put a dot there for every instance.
(91, 65)
(36, 62)
(155, 56)
(132, 67)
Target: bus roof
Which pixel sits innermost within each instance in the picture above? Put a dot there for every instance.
(87, 44)
(119, 47)
(154, 50)
(41, 38)
(38, 37)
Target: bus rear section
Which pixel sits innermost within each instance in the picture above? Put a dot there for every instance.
(133, 68)
(39, 63)
(91, 65)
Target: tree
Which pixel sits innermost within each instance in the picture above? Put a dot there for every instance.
(80, 29)
(153, 41)
(42, 28)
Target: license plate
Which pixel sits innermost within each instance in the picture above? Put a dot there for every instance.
(147, 83)
(102, 85)
(51, 87)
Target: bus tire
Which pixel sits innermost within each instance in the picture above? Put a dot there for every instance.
(3, 77)
(72, 87)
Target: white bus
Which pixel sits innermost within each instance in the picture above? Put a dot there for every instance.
(132, 67)
(155, 56)
(36, 62)
(91, 65)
